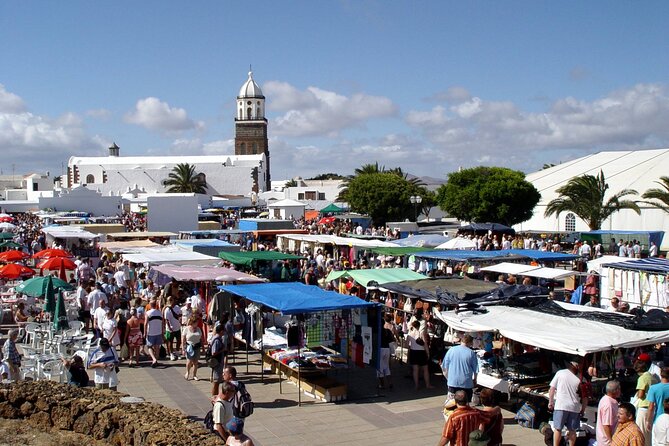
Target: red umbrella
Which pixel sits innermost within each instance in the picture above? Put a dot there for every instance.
(12, 255)
(14, 271)
(51, 252)
(57, 263)
(326, 220)
(6, 219)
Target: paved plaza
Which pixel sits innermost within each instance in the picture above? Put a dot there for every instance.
(399, 416)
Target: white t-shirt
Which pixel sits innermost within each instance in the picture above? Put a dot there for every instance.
(661, 430)
(566, 394)
(109, 329)
(106, 375)
(197, 304)
(119, 277)
(95, 299)
(222, 412)
(155, 326)
(172, 320)
(99, 316)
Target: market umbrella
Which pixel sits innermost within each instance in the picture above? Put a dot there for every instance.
(53, 263)
(12, 255)
(326, 220)
(15, 271)
(458, 243)
(9, 244)
(6, 219)
(59, 316)
(49, 297)
(36, 286)
(51, 252)
(7, 226)
(6, 236)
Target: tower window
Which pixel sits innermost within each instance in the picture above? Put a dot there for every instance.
(570, 222)
(255, 148)
(90, 179)
(248, 113)
(242, 148)
(258, 112)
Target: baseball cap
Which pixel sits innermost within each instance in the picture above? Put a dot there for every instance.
(235, 425)
(645, 357)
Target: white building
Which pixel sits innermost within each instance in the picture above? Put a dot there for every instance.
(244, 172)
(286, 210)
(638, 170)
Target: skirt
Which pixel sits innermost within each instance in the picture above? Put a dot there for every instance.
(135, 338)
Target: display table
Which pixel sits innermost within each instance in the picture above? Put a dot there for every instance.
(315, 383)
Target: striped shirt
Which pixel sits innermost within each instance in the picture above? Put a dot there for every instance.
(460, 424)
(628, 434)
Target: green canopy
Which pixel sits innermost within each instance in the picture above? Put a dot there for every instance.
(9, 244)
(248, 257)
(49, 297)
(380, 276)
(36, 287)
(398, 251)
(6, 236)
(331, 209)
(60, 314)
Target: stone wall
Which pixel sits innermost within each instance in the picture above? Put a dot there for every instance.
(99, 414)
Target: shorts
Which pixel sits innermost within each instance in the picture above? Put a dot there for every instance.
(154, 340)
(217, 372)
(417, 357)
(84, 316)
(564, 418)
(173, 335)
(384, 363)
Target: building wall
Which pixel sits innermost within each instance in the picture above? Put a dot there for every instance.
(172, 212)
(84, 200)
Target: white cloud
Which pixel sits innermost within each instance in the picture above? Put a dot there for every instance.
(154, 114)
(196, 146)
(9, 102)
(501, 133)
(318, 112)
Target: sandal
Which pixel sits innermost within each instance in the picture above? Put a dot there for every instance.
(195, 378)
(186, 376)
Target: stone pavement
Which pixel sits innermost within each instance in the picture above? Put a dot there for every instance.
(399, 416)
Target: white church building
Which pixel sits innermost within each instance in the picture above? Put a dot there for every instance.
(241, 174)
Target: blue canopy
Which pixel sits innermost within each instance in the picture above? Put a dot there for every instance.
(295, 297)
(422, 240)
(651, 264)
(534, 254)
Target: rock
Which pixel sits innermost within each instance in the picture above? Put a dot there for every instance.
(41, 420)
(27, 408)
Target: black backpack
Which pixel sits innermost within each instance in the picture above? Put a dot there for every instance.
(209, 422)
(242, 405)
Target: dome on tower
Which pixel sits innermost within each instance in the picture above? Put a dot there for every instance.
(250, 89)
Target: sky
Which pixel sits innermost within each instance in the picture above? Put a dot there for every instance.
(428, 86)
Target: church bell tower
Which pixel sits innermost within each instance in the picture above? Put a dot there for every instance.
(251, 127)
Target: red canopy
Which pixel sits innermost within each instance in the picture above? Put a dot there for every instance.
(12, 255)
(57, 263)
(14, 271)
(51, 252)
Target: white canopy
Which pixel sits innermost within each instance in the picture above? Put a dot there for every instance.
(458, 243)
(550, 273)
(563, 334)
(64, 232)
(596, 264)
(325, 239)
(169, 255)
(509, 268)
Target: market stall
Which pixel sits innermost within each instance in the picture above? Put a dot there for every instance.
(325, 331)
(169, 255)
(641, 283)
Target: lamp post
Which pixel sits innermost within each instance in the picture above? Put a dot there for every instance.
(415, 200)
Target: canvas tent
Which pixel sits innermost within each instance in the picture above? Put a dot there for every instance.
(577, 336)
(248, 258)
(160, 274)
(380, 276)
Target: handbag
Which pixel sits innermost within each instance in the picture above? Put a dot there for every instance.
(213, 362)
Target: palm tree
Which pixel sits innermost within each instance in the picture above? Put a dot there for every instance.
(584, 196)
(183, 179)
(662, 195)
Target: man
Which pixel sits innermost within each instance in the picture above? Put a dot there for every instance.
(217, 352)
(652, 250)
(103, 361)
(84, 271)
(584, 251)
(613, 247)
(563, 398)
(172, 315)
(11, 355)
(96, 299)
(627, 433)
(607, 414)
(656, 396)
(82, 304)
(223, 408)
(460, 367)
(462, 422)
(99, 318)
(614, 302)
(120, 276)
(154, 327)
(661, 427)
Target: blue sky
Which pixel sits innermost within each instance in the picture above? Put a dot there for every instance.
(428, 86)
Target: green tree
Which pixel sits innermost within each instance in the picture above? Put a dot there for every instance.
(584, 196)
(384, 196)
(488, 194)
(291, 183)
(328, 176)
(183, 179)
(661, 195)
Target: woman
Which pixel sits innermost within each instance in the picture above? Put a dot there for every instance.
(494, 425)
(133, 337)
(418, 353)
(110, 329)
(388, 337)
(122, 315)
(192, 343)
(20, 316)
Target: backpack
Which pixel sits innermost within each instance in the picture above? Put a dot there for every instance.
(242, 405)
(209, 421)
(526, 416)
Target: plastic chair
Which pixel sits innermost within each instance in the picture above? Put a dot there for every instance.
(31, 336)
(82, 354)
(54, 369)
(76, 326)
(29, 369)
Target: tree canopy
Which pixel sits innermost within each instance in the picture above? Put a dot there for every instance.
(183, 179)
(383, 195)
(584, 196)
(328, 176)
(660, 195)
(488, 194)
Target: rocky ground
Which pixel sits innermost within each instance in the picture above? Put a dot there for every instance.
(18, 432)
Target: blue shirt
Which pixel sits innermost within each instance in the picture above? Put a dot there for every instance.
(461, 363)
(657, 394)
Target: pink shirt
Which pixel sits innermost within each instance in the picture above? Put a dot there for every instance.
(607, 414)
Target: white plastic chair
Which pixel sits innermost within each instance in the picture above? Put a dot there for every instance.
(76, 326)
(54, 369)
(31, 337)
(82, 354)
(29, 369)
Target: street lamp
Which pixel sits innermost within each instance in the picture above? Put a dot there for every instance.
(415, 200)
